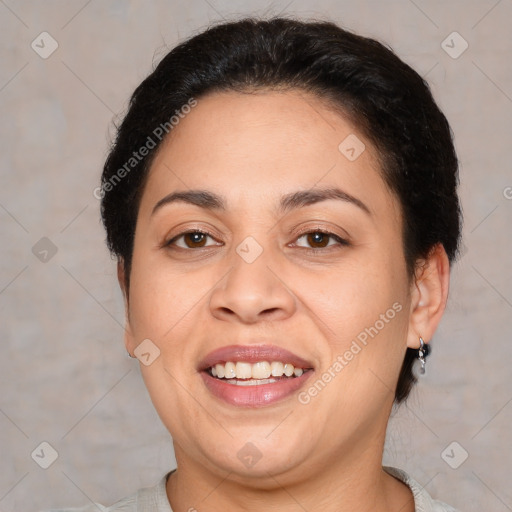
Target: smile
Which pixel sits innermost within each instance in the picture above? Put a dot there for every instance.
(253, 375)
(255, 372)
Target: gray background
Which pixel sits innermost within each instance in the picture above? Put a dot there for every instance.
(65, 376)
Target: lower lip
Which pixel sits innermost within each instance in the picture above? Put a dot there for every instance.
(254, 396)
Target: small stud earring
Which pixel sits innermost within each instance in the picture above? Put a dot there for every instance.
(423, 352)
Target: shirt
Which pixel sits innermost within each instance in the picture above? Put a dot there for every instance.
(154, 499)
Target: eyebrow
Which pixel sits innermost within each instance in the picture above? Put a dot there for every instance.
(211, 201)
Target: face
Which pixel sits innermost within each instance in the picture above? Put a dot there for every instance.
(269, 263)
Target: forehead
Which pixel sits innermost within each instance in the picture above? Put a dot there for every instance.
(253, 147)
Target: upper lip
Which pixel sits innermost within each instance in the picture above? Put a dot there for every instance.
(252, 354)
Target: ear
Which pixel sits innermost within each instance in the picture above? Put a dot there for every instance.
(128, 335)
(429, 293)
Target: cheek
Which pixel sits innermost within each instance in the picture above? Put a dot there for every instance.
(364, 307)
(354, 296)
(161, 296)
(163, 304)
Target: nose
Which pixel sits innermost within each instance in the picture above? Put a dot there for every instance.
(252, 292)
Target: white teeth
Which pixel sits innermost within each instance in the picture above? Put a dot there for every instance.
(260, 371)
(243, 370)
(288, 370)
(229, 370)
(220, 370)
(251, 382)
(277, 369)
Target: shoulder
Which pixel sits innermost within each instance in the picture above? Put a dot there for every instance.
(148, 498)
(128, 504)
(423, 502)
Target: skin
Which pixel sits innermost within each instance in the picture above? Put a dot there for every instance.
(191, 298)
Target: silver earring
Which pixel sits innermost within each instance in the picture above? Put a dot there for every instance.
(423, 352)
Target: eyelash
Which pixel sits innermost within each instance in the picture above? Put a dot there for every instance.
(341, 241)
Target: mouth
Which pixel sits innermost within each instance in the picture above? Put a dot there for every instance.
(254, 375)
(243, 373)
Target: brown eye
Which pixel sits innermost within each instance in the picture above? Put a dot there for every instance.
(191, 240)
(320, 239)
(196, 239)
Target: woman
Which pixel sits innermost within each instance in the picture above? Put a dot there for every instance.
(281, 198)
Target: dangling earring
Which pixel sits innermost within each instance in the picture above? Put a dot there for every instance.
(423, 352)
